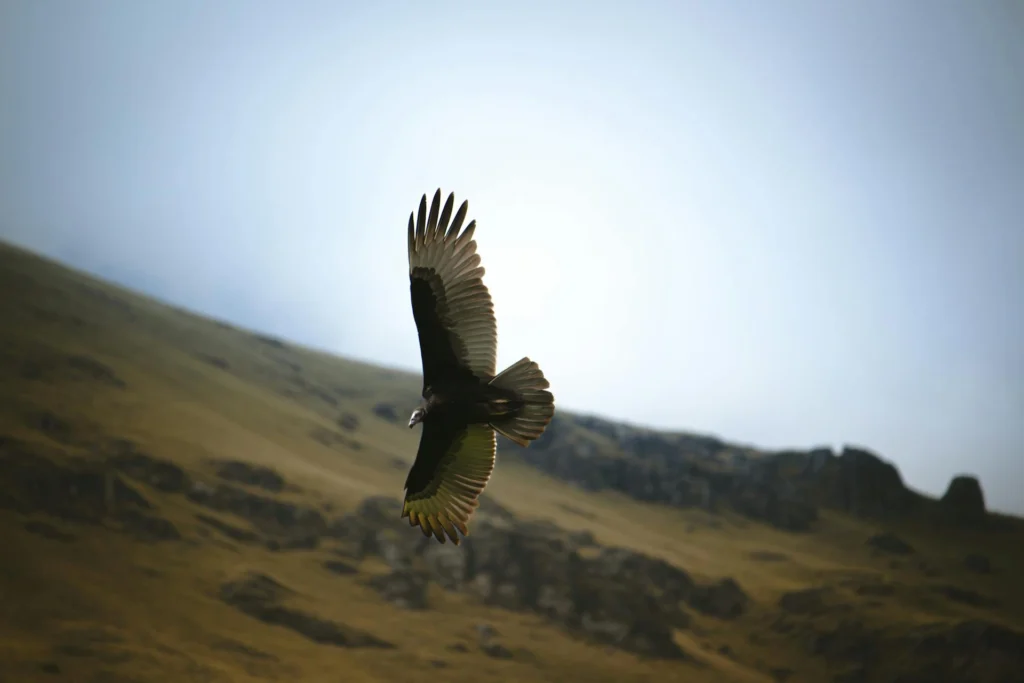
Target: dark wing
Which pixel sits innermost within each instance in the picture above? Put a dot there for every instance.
(452, 468)
(452, 307)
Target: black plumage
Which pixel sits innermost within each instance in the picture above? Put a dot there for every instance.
(464, 402)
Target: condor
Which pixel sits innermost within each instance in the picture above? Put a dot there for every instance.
(464, 402)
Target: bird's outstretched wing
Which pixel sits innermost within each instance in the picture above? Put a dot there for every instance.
(452, 307)
(452, 467)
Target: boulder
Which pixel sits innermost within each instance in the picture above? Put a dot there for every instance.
(340, 568)
(486, 635)
(723, 599)
(387, 412)
(162, 475)
(847, 641)
(964, 501)
(250, 475)
(348, 422)
(890, 543)
(808, 601)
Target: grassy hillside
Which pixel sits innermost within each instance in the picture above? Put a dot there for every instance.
(181, 500)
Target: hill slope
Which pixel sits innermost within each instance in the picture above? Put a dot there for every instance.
(183, 500)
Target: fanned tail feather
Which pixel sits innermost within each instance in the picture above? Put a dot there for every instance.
(524, 377)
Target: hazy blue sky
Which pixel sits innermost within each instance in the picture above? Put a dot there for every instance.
(788, 223)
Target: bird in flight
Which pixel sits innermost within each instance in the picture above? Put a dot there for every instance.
(464, 402)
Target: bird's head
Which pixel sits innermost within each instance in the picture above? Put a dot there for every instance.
(416, 418)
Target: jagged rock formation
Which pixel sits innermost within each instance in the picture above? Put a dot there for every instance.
(864, 484)
(783, 488)
(612, 595)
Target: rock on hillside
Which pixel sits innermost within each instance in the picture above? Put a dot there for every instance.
(75, 490)
(261, 597)
(611, 595)
(783, 488)
(964, 501)
(630, 600)
(863, 484)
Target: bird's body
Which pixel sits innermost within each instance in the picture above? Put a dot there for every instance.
(464, 401)
(473, 402)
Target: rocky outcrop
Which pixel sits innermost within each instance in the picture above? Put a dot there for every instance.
(764, 492)
(783, 488)
(281, 525)
(263, 598)
(889, 542)
(808, 601)
(76, 491)
(340, 568)
(723, 599)
(865, 485)
(126, 457)
(965, 596)
(681, 470)
(964, 503)
(276, 524)
(490, 645)
(73, 368)
(250, 475)
(348, 422)
(611, 595)
(387, 412)
(974, 650)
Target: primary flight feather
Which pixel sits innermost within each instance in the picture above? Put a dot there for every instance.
(464, 401)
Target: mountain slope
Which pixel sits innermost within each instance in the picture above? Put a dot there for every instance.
(181, 499)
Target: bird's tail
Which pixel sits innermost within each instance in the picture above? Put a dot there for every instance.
(525, 378)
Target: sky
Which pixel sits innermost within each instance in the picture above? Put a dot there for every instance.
(788, 224)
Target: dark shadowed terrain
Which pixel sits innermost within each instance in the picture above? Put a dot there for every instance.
(184, 500)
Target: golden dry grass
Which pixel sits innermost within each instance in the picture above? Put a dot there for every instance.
(107, 608)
